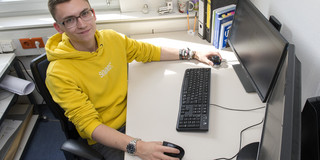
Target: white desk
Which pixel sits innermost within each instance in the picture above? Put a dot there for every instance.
(153, 103)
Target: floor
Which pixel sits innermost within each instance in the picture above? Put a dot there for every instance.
(46, 140)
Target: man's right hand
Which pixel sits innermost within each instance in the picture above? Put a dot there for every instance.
(154, 151)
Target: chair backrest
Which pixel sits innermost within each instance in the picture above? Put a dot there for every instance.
(39, 67)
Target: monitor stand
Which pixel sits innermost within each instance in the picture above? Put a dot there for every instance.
(243, 78)
(249, 152)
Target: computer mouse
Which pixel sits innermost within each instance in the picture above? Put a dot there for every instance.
(215, 60)
(169, 144)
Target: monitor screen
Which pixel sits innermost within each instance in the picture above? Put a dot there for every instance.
(281, 135)
(258, 46)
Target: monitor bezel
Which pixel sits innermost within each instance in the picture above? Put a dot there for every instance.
(248, 74)
(291, 131)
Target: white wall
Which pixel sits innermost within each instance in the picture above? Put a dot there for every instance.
(136, 5)
(128, 27)
(300, 26)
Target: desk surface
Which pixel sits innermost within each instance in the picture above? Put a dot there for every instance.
(154, 94)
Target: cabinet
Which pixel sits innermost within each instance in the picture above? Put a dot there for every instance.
(15, 145)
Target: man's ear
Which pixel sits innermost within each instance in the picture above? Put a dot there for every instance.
(57, 27)
(94, 14)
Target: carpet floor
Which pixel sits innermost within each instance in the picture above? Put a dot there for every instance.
(46, 140)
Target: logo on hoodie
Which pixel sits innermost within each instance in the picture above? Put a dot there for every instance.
(105, 71)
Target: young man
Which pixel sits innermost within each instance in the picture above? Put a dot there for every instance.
(87, 77)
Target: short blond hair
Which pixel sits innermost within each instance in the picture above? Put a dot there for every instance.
(53, 3)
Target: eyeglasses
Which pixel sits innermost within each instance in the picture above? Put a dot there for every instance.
(72, 21)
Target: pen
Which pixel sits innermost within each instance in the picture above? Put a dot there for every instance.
(195, 22)
(188, 18)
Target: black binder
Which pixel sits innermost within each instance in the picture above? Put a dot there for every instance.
(209, 6)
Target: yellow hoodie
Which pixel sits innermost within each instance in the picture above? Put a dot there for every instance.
(92, 86)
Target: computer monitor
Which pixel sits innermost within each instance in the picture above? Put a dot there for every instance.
(259, 48)
(281, 134)
(310, 129)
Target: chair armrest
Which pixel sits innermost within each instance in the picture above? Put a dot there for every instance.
(81, 149)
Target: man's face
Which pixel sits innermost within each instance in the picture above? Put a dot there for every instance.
(83, 31)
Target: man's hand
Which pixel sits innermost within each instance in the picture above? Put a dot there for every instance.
(154, 151)
(203, 56)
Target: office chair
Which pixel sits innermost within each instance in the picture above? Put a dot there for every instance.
(74, 147)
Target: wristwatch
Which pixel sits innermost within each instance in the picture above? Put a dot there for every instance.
(131, 147)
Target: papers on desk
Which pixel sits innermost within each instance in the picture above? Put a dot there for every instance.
(7, 129)
(5, 99)
(17, 85)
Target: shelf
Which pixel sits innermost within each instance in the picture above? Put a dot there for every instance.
(15, 142)
(5, 99)
(5, 61)
(23, 113)
(26, 136)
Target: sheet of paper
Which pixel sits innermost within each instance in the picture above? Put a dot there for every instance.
(5, 99)
(7, 129)
(17, 85)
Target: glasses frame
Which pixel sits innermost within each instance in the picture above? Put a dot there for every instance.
(76, 18)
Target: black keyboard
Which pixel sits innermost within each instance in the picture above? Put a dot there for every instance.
(194, 100)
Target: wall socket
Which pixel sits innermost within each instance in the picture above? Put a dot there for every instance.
(28, 43)
(19, 51)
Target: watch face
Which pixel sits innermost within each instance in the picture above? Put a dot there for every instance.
(131, 148)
